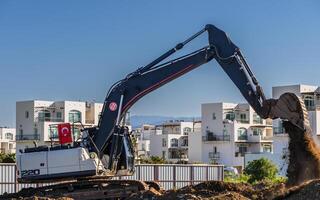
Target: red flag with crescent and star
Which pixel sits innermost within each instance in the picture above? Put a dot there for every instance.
(64, 132)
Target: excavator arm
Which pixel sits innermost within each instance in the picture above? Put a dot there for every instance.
(110, 138)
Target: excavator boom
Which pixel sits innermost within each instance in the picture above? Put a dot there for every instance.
(154, 75)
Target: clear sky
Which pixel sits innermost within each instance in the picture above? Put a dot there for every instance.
(75, 50)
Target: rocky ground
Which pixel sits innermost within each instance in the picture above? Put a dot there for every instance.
(217, 190)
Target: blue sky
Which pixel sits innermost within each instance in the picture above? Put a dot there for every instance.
(75, 50)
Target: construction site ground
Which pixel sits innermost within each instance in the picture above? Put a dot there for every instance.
(215, 190)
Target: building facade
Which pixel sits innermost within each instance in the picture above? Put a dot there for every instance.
(228, 132)
(7, 140)
(38, 120)
(172, 142)
(142, 136)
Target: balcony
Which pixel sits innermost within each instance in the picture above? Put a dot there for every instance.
(243, 137)
(213, 137)
(243, 121)
(48, 119)
(259, 138)
(214, 155)
(27, 137)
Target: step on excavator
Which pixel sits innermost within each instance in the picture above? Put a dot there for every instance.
(86, 169)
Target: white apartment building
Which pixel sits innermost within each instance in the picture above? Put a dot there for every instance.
(7, 140)
(228, 132)
(37, 120)
(311, 96)
(143, 136)
(172, 144)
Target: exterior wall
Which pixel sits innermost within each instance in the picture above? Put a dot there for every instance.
(195, 143)
(173, 143)
(221, 142)
(37, 120)
(7, 140)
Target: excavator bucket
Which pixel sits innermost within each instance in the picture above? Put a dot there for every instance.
(291, 108)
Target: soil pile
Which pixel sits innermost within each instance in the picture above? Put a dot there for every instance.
(304, 158)
(308, 190)
(218, 190)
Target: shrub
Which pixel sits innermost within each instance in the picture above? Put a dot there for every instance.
(7, 158)
(262, 169)
(154, 160)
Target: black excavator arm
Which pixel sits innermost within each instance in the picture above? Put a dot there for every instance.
(110, 138)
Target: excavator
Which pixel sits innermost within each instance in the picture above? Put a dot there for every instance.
(106, 151)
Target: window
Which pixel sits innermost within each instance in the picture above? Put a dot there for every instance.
(257, 131)
(186, 130)
(143, 147)
(267, 148)
(44, 115)
(21, 131)
(164, 142)
(27, 114)
(309, 102)
(174, 142)
(9, 136)
(35, 131)
(229, 115)
(243, 150)
(74, 116)
(242, 134)
(59, 115)
(257, 119)
(243, 117)
(214, 116)
(76, 133)
(53, 132)
(184, 142)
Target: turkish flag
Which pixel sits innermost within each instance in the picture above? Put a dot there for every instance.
(64, 132)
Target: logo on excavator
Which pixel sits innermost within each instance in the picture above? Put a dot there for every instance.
(113, 106)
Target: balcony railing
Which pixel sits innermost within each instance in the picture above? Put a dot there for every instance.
(214, 155)
(266, 137)
(48, 119)
(28, 137)
(243, 121)
(214, 137)
(243, 137)
(174, 145)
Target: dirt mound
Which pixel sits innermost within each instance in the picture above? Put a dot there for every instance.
(304, 158)
(309, 190)
(217, 190)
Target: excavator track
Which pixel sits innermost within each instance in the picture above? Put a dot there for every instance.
(88, 189)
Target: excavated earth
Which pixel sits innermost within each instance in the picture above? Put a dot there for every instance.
(218, 190)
